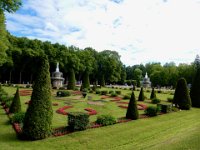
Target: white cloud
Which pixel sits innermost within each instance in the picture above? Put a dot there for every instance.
(141, 31)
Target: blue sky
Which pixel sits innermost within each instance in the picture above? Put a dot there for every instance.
(140, 31)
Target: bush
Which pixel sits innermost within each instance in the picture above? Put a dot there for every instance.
(105, 120)
(62, 88)
(126, 97)
(15, 107)
(118, 92)
(86, 80)
(78, 120)
(76, 89)
(104, 92)
(132, 111)
(152, 111)
(165, 108)
(63, 93)
(153, 94)
(110, 92)
(169, 99)
(84, 92)
(98, 91)
(181, 96)
(141, 95)
(72, 80)
(155, 101)
(94, 87)
(113, 95)
(38, 117)
(18, 117)
(91, 91)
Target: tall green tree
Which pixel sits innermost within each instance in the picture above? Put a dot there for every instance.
(137, 74)
(132, 111)
(195, 89)
(38, 117)
(10, 5)
(153, 94)
(181, 95)
(16, 104)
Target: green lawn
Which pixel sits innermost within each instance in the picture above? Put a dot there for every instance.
(177, 130)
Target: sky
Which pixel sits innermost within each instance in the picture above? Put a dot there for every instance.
(141, 31)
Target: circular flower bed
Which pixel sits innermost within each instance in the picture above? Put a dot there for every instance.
(62, 110)
(91, 111)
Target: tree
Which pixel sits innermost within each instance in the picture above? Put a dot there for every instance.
(71, 80)
(38, 117)
(132, 111)
(16, 104)
(141, 95)
(181, 95)
(195, 89)
(137, 74)
(10, 5)
(153, 94)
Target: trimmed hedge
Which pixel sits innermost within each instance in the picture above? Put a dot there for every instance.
(118, 92)
(153, 94)
(63, 93)
(72, 80)
(165, 108)
(141, 95)
(155, 101)
(104, 92)
(78, 121)
(15, 106)
(105, 120)
(18, 117)
(152, 111)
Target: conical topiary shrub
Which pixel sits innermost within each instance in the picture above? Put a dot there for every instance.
(153, 94)
(16, 104)
(181, 95)
(195, 89)
(38, 117)
(86, 81)
(132, 111)
(141, 95)
(72, 80)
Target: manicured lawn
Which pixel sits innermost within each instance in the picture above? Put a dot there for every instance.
(177, 130)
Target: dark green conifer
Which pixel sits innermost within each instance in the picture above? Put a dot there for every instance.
(102, 83)
(38, 118)
(72, 80)
(141, 95)
(16, 104)
(181, 95)
(153, 94)
(86, 81)
(132, 111)
(195, 89)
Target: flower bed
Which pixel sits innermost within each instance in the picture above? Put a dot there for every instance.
(62, 110)
(25, 92)
(77, 93)
(122, 102)
(17, 128)
(91, 111)
(116, 99)
(143, 106)
(104, 97)
(55, 104)
(139, 107)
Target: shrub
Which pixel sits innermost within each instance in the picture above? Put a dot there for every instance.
(110, 92)
(98, 91)
(126, 97)
(153, 94)
(94, 87)
(118, 92)
(76, 89)
(78, 120)
(63, 93)
(84, 92)
(141, 95)
(104, 92)
(155, 101)
(15, 106)
(61, 88)
(132, 111)
(169, 99)
(194, 93)
(72, 80)
(18, 117)
(113, 95)
(105, 120)
(91, 91)
(165, 108)
(86, 80)
(152, 111)
(181, 96)
(38, 117)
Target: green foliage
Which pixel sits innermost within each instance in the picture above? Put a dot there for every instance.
(94, 87)
(132, 111)
(98, 91)
(38, 117)
(18, 117)
(118, 92)
(126, 97)
(86, 81)
(195, 89)
(141, 95)
(114, 94)
(152, 111)
(110, 92)
(181, 96)
(10, 5)
(104, 92)
(16, 104)
(78, 120)
(105, 120)
(153, 94)
(169, 99)
(155, 101)
(165, 108)
(63, 93)
(84, 92)
(72, 80)
(102, 81)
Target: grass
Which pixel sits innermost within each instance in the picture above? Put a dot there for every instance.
(177, 130)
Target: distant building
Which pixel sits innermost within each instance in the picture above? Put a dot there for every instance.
(146, 82)
(57, 78)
